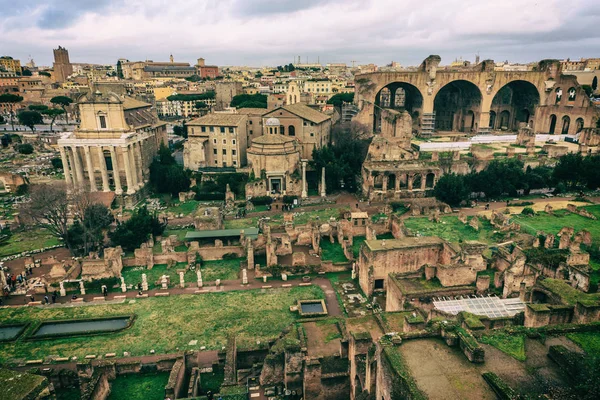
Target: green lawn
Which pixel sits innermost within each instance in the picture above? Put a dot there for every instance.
(554, 223)
(588, 341)
(184, 208)
(27, 240)
(569, 294)
(180, 233)
(332, 251)
(450, 229)
(165, 324)
(513, 345)
(211, 271)
(303, 217)
(139, 386)
(212, 380)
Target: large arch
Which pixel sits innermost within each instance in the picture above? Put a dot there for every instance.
(399, 96)
(520, 99)
(457, 106)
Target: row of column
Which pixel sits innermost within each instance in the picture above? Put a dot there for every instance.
(132, 160)
(410, 179)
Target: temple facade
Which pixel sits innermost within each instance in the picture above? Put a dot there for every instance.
(113, 147)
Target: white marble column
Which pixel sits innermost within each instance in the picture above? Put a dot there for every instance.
(103, 170)
(304, 190)
(78, 167)
(115, 168)
(128, 172)
(90, 169)
(133, 163)
(137, 154)
(323, 191)
(66, 168)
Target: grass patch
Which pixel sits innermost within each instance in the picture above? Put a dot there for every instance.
(27, 240)
(357, 241)
(303, 217)
(513, 345)
(166, 324)
(225, 270)
(450, 229)
(139, 386)
(332, 251)
(588, 341)
(553, 223)
(212, 381)
(568, 294)
(180, 233)
(185, 208)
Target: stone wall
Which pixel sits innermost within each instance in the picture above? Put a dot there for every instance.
(175, 387)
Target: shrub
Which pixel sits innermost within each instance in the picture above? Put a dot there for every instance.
(261, 200)
(56, 163)
(289, 199)
(230, 256)
(25, 148)
(528, 211)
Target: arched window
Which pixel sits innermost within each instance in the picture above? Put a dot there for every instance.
(492, 119)
(291, 130)
(572, 94)
(566, 121)
(430, 180)
(558, 92)
(579, 125)
(282, 130)
(552, 124)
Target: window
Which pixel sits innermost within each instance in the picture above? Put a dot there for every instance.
(250, 122)
(231, 130)
(214, 141)
(305, 123)
(102, 119)
(215, 152)
(234, 163)
(222, 129)
(216, 162)
(291, 130)
(212, 128)
(203, 129)
(233, 141)
(282, 130)
(251, 132)
(224, 152)
(312, 134)
(233, 152)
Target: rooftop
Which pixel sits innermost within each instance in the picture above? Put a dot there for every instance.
(404, 243)
(219, 119)
(306, 112)
(130, 103)
(248, 232)
(491, 306)
(358, 215)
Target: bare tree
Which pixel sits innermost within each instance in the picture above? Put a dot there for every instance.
(49, 208)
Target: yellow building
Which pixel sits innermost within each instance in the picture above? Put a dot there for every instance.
(9, 64)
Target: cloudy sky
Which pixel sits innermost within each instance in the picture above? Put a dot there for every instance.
(272, 32)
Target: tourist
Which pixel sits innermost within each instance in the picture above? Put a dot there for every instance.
(31, 297)
(46, 300)
(104, 290)
(55, 294)
(139, 286)
(54, 298)
(74, 297)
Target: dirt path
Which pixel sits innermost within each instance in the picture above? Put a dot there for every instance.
(444, 373)
(316, 341)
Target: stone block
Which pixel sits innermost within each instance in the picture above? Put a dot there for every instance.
(162, 294)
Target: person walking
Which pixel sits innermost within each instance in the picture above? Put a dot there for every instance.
(54, 298)
(46, 300)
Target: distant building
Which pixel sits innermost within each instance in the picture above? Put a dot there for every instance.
(62, 65)
(206, 71)
(139, 70)
(9, 64)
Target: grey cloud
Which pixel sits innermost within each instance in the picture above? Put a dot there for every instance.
(259, 8)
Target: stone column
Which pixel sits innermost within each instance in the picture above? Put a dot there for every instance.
(116, 176)
(410, 181)
(304, 190)
(385, 183)
(423, 181)
(78, 167)
(138, 150)
(134, 174)
(250, 255)
(90, 168)
(397, 188)
(66, 169)
(128, 172)
(103, 170)
(323, 191)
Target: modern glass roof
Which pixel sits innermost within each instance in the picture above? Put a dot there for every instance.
(489, 306)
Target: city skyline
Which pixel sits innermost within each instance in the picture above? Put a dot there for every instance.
(260, 33)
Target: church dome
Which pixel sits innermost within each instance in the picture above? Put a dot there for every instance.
(272, 122)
